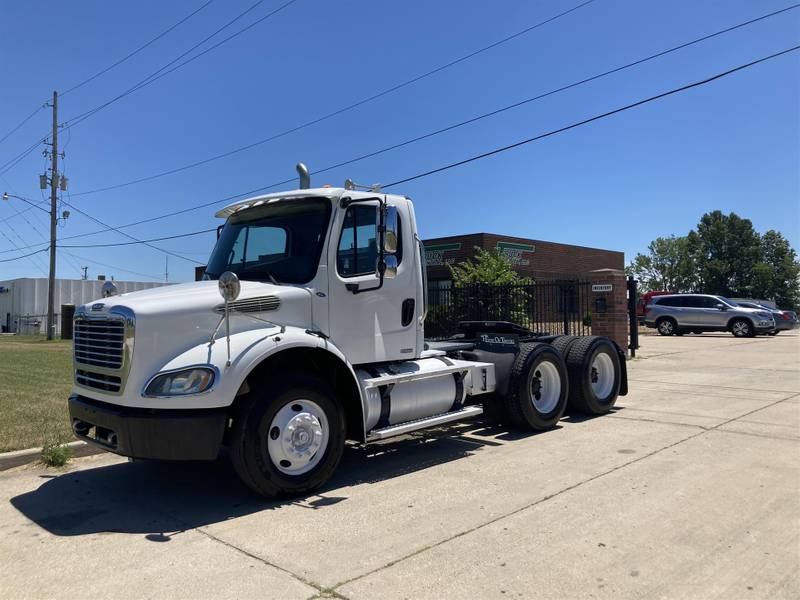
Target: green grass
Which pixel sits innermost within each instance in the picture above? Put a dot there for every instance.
(35, 381)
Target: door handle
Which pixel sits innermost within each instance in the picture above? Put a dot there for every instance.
(407, 312)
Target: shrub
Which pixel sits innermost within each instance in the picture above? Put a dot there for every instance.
(55, 454)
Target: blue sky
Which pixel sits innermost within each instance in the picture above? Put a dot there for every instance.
(618, 183)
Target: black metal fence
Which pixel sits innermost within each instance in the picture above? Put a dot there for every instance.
(555, 307)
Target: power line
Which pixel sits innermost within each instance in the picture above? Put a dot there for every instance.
(21, 123)
(347, 108)
(159, 239)
(11, 163)
(95, 262)
(161, 72)
(127, 235)
(150, 78)
(98, 74)
(5, 260)
(450, 127)
(592, 119)
(137, 50)
(504, 148)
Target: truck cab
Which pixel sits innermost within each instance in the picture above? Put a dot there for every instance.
(308, 330)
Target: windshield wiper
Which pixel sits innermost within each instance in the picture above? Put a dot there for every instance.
(267, 273)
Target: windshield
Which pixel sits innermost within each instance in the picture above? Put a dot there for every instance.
(728, 301)
(279, 242)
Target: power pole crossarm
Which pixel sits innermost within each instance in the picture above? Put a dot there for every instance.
(53, 222)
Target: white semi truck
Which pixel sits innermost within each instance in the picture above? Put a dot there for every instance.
(308, 331)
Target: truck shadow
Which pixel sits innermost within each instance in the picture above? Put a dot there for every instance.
(160, 500)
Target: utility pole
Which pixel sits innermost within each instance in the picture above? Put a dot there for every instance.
(53, 208)
(166, 269)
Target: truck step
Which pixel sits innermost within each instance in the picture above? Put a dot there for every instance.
(408, 426)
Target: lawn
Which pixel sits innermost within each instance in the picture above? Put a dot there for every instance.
(35, 381)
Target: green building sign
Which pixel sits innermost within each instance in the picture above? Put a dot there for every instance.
(434, 254)
(516, 252)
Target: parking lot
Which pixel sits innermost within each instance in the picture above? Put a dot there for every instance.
(691, 488)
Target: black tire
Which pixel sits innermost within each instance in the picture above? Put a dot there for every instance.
(528, 380)
(583, 362)
(252, 427)
(742, 328)
(666, 326)
(563, 343)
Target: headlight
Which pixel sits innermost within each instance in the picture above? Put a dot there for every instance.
(181, 383)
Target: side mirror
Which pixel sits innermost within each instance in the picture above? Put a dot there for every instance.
(390, 267)
(390, 230)
(721, 306)
(229, 286)
(386, 268)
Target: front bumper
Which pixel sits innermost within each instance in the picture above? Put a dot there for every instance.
(764, 326)
(164, 434)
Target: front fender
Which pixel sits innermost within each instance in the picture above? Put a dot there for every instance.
(248, 350)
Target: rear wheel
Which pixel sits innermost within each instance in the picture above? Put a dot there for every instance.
(593, 364)
(742, 328)
(288, 436)
(666, 326)
(538, 390)
(563, 343)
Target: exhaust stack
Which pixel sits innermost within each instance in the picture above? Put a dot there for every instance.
(305, 178)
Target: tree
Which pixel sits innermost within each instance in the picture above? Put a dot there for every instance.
(669, 266)
(778, 273)
(727, 250)
(725, 255)
(476, 296)
(492, 267)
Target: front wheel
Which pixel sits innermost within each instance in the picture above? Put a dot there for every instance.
(742, 328)
(288, 436)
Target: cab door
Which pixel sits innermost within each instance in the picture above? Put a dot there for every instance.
(371, 325)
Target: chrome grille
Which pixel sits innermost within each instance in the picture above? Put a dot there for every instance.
(100, 381)
(100, 343)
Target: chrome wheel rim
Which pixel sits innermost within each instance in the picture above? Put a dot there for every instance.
(545, 387)
(665, 327)
(297, 437)
(740, 328)
(602, 376)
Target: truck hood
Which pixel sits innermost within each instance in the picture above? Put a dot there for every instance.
(198, 296)
(172, 319)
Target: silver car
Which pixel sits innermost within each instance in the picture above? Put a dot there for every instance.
(681, 313)
(784, 319)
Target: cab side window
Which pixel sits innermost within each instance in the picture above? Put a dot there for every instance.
(358, 249)
(358, 244)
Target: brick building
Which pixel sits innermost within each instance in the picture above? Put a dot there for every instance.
(544, 261)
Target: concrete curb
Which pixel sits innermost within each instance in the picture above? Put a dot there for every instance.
(9, 460)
